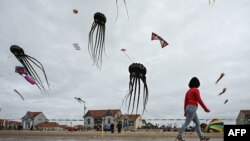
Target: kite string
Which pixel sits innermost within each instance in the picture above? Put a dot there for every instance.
(128, 57)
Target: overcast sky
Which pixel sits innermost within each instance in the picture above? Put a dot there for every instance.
(204, 41)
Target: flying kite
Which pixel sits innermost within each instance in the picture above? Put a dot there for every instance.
(221, 76)
(96, 47)
(137, 73)
(27, 61)
(23, 72)
(157, 37)
(124, 1)
(79, 100)
(77, 47)
(223, 91)
(226, 101)
(75, 11)
(18, 94)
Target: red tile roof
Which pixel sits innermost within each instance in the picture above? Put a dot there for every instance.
(246, 112)
(2, 121)
(133, 117)
(101, 113)
(128, 117)
(33, 114)
(48, 124)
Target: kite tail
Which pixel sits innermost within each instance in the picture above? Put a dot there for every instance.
(128, 57)
(126, 7)
(116, 11)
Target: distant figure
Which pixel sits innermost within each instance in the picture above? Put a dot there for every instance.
(192, 99)
(119, 127)
(112, 126)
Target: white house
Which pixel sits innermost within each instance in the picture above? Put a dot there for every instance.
(131, 122)
(243, 117)
(94, 118)
(31, 119)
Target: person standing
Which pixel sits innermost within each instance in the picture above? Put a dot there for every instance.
(112, 126)
(192, 99)
(119, 127)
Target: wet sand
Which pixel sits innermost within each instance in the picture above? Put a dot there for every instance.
(95, 136)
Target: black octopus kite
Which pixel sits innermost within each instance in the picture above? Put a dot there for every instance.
(96, 46)
(137, 73)
(27, 61)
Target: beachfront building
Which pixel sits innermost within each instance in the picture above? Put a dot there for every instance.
(243, 117)
(93, 118)
(31, 119)
(131, 122)
(49, 126)
(10, 125)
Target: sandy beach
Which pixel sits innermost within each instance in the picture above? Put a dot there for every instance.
(94, 135)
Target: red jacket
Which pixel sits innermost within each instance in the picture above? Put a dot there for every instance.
(193, 98)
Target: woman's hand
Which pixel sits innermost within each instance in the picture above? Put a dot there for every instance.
(207, 110)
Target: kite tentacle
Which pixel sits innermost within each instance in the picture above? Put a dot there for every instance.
(35, 61)
(33, 74)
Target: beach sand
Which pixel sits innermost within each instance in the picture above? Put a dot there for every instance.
(95, 135)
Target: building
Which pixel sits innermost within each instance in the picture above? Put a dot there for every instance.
(131, 122)
(10, 125)
(243, 117)
(93, 118)
(31, 119)
(48, 126)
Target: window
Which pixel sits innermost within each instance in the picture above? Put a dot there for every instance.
(88, 121)
(131, 123)
(109, 120)
(247, 119)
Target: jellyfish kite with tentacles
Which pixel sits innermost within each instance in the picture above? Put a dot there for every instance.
(28, 62)
(137, 74)
(96, 42)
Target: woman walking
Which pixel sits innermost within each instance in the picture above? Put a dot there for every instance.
(192, 99)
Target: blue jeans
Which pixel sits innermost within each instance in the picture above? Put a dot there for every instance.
(191, 116)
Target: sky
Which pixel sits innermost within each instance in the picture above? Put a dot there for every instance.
(204, 41)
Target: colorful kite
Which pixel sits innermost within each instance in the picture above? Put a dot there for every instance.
(18, 94)
(77, 47)
(75, 11)
(27, 62)
(23, 72)
(221, 76)
(223, 91)
(96, 47)
(215, 125)
(157, 37)
(124, 1)
(137, 73)
(29, 79)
